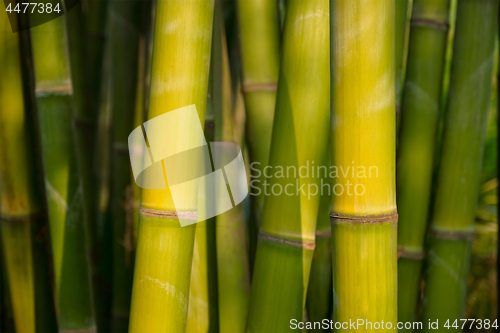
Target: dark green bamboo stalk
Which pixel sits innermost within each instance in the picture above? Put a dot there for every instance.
(319, 302)
(23, 220)
(124, 33)
(232, 256)
(103, 282)
(419, 125)
(401, 45)
(95, 22)
(300, 139)
(63, 189)
(458, 177)
(260, 44)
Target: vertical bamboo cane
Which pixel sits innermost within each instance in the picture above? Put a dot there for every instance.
(181, 61)
(203, 313)
(260, 42)
(401, 36)
(124, 33)
(364, 214)
(458, 177)
(419, 125)
(63, 190)
(287, 233)
(22, 216)
(319, 291)
(232, 256)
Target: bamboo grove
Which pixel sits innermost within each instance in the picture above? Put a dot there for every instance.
(363, 132)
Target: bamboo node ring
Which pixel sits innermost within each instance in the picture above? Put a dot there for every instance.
(323, 233)
(303, 244)
(423, 22)
(410, 255)
(453, 235)
(23, 218)
(81, 330)
(270, 86)
(364, 219)
(169, 214)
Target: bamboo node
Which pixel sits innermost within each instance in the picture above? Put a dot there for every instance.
(365, 219)
(23, 218)
(303, 244)
(169, 214)
(270, 86)
(453, 235)
(81, 330)
(423, 22)
(410, 255)
(323, 233)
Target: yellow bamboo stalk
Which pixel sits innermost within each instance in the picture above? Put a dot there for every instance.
(363, 127)
(181, 60)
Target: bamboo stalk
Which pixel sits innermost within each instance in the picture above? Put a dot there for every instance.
(181, 61)
(286, 237)
(364, 218)
(260, 42)
(458, 177)
(103, 284)
(22, 217)
(63, 190)
(232, 255)
(203, 314)
(419, 125)
(319, 302)
(401, 37)
(124, 33)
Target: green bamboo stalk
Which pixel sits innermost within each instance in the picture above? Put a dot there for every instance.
(63, 190)
(103, 282)
(23, 220)
(401, 37)
(286, 237)
(232, 256)
(124, 34)
(260, 46)
(319, 302)
(181, 61)
(458, 177)
(419, 125)
(203, 315)
(364, 215)
(95, 22)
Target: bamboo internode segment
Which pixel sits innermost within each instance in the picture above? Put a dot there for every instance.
(304, 244)
(188, 215)
(370, 219)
